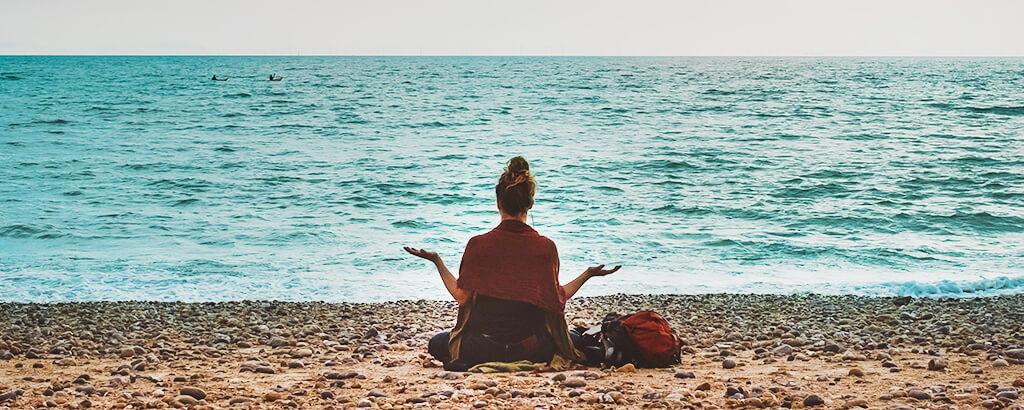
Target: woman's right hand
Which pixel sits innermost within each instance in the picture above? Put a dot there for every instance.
(423, 253)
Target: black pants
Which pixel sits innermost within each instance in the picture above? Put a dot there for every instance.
(476, 352)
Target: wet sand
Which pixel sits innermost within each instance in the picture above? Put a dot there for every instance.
(739, 351)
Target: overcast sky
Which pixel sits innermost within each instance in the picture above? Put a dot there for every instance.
(514, 27)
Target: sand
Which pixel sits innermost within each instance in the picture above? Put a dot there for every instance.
(788, 351)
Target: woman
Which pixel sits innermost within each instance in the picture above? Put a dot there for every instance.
(511, 306)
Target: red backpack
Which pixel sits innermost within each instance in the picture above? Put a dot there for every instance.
(643, 338)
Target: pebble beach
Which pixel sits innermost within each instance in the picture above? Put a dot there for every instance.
(739, 351)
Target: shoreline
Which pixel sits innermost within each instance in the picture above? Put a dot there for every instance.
(785, 350)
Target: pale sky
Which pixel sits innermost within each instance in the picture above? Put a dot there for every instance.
(514, 27)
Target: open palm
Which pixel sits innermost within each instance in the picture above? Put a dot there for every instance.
(599, 270)
(422, 253)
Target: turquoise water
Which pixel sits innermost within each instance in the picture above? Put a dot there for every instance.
(139, 178)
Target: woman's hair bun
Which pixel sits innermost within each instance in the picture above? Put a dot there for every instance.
(516, 187)
(517, 165)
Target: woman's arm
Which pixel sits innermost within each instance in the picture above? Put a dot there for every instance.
(599, 270)
(450, 283)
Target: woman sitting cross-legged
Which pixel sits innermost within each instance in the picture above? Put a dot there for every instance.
(511, 306)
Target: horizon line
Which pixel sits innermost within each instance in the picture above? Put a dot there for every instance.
(534, 55)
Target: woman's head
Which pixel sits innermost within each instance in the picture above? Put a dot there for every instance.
(516, 187)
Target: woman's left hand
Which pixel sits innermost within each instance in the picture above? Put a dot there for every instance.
(599, 270)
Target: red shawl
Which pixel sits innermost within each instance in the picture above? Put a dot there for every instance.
(513, 262)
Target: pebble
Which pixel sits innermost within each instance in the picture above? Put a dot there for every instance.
(301, 353)
(272, 396)
(11, 395)
(277, 341)
(937, 364)
(6, 355)
(685, 375)
(1015, 354)
(67, 361)
(783, 350)
(919, 394)
(856, 371)
(1018, 383)
(186, 400)
(831, 348)
(376, 393)
(855, 403)
(574, 382)
(813, 400)
(264, 369)
(480, 404)
(558, 377)
(1007, 395)
(196, 392)
(326, 395)
(627, 368)
(704, 386)
(1000, 363)
(728, 364)
(239, 400)
(364, 403)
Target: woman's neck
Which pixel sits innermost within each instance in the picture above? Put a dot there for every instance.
(521, 217)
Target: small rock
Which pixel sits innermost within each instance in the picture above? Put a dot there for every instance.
(992, 404)
(558, 377)
(685, 375)
(295, 364)
(264, 369)
(479, 404)
(371, 332)
(574, 382)
(728, 364)
(831, 348)
(196, 392)
(272, 396)
(783, 350)
(326, 395)
(127, 352)
(627, 368)
(277, 341)
(704, 386)
(376, 393)
(1018, 383)
(937, 364)
(301, 353)
(1007, 395)
(919, 394)
(1000, 363)
(856, 371)
(1015, 353)
(239, 400)
(186, 400)
(364, 403)
(813, 400)
(11, 395)
(67, 361)
(855, 403)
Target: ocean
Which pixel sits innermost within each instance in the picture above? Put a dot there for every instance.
(139, 178)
